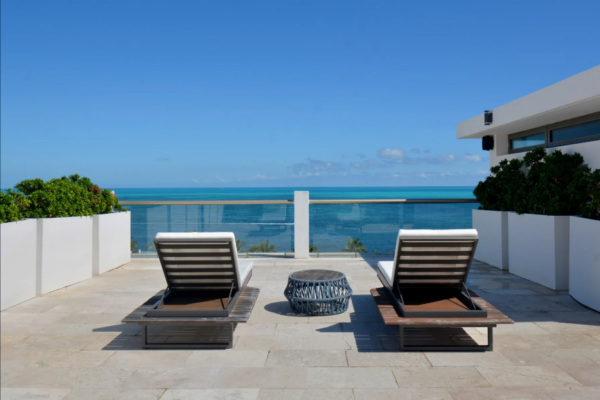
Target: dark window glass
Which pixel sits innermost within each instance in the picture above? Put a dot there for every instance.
(528, 141)
(575, 132)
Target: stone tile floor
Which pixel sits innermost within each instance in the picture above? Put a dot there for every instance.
(70, 344)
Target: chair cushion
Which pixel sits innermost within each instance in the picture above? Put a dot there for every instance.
(387, 268)
(244, 268)
(459, 234)
(195, 235)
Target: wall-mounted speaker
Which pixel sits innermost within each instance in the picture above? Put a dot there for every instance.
(487, 143)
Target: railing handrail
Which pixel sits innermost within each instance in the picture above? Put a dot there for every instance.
(291, 202)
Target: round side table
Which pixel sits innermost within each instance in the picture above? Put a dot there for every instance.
(318, 292)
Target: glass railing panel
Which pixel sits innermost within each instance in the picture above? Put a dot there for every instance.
(334, 226)
(253, 225)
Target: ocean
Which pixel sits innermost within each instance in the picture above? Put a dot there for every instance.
(331, 225)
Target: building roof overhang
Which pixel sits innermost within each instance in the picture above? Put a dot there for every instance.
(571, 98)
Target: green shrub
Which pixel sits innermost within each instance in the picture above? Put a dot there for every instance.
(557, 183)
(65, 197)
(503, 189)
(11, 206)
(262, 247)
(547, 184)
(354, 246)
(591, 208)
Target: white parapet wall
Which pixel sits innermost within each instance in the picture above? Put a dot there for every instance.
(18, 261)
(492, 228)
(538, 249)
(64, 252)
(584, 262)
(111, 241)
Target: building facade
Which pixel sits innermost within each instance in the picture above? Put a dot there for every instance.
(564, 116)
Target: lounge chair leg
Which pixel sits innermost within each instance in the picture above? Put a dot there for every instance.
(490, 345)
(144, 336)
(401, 338)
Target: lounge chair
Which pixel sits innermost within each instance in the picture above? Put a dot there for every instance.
(425, 287)
(203, 273)
(428, 275)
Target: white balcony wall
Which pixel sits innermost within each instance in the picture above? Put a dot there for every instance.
(111, 241)
(492, 228)
(584, 262)
(64, 252)
(18, 262)
(538, 249)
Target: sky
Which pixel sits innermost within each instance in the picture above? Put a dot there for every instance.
(272, 93)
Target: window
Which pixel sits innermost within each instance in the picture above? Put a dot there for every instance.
(536, 139)
(575, 132)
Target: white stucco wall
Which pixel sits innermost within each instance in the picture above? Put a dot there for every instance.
(64, 252)
(18, 261)
(492, 229)
(538, 249)
(584, 262)
(111, 241)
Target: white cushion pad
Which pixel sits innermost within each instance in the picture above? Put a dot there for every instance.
(465, 234)
(195, 235)
(387, 268)
(244, 267)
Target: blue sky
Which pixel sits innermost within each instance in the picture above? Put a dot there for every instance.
(272, 93)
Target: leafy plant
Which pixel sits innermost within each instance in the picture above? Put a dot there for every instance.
(262, 247)
(239, 245)
(541, 183)
(12, 205)
(557, 183)
(354, 246)
(65, 197)
(313, 249)
(591, 209)
(134, 245)
(503, 189)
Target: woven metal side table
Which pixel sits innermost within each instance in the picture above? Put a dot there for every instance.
(318, 292)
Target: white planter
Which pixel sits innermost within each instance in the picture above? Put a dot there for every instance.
(64, 252)
(538, 249)
(584, 262)
(18, 261)
(111, 241)
(492, 228)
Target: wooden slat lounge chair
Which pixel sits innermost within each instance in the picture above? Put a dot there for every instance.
(206, 288)
(426, 282)
(203, 273)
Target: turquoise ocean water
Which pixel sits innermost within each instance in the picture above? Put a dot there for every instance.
(331, 225)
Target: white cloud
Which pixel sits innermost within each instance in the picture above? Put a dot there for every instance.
(397, 155)
(195, 181)
(471, 157)
(367, 164)
(392, 154)
(483, 172)
(312, 166)
(220, 179)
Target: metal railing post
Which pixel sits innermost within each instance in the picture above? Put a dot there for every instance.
(301, 225)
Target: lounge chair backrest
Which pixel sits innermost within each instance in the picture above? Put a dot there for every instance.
(199, 260)
(433, 258)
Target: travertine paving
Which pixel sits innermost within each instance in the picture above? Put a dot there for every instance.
(70, 344)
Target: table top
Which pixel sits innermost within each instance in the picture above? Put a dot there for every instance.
(316, 275)
(391, 315)
(240, 312)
